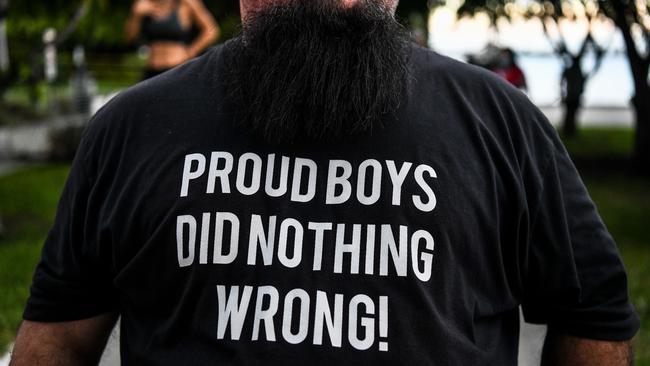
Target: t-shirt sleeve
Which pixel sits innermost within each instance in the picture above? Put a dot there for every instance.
(73, 278)
(575, 280)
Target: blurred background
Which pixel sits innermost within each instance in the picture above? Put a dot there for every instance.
(585, 63)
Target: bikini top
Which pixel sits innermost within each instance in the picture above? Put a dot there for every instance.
(168, 28)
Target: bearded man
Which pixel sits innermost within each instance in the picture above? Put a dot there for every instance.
(319, 190)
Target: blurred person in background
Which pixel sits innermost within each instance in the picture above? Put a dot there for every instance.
(167, 27)
(506, 66)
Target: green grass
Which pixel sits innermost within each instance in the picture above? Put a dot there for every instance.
(28, 200)
(601, 142)
(27, 206)
(624, 204)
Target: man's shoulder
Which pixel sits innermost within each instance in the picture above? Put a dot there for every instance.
(469, 85)
(429, 60)
(481, 98)
(431, 67)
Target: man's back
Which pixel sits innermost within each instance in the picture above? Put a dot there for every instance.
(413, 243)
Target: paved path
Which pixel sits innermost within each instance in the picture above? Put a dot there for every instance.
(594, 116)
(34, 141)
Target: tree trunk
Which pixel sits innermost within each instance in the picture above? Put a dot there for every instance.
(570, 126)
(641, 102)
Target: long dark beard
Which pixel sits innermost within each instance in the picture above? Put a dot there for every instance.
(312, 71)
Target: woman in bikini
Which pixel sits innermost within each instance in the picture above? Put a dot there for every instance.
(167, 25)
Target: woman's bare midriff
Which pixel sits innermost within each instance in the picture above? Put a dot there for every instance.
(164, 55)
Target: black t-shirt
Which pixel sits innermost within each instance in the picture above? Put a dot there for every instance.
(414, 243)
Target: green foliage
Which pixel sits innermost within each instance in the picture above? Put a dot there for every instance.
(407, 8)
(101, 27)
(101, 30)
